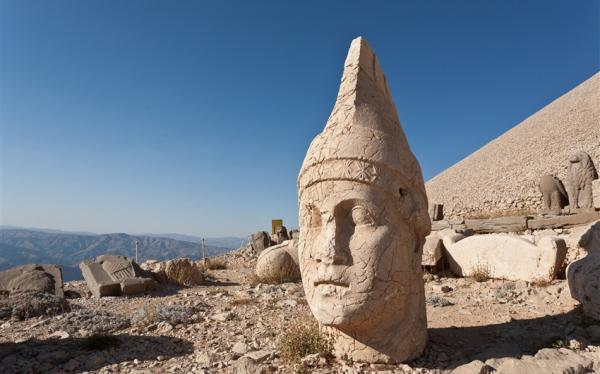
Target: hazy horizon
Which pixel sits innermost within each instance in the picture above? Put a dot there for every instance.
(194, 118)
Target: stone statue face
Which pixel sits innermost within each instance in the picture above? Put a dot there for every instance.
(357, 252)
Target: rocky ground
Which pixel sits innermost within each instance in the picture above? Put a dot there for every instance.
(233, 325)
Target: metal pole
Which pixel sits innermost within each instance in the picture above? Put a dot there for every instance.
(136, 251)
(203, 251)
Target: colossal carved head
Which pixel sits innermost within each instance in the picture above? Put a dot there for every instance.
(363, 208)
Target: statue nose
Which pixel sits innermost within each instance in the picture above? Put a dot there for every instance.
(330, 252)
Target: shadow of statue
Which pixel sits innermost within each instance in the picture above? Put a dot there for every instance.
(90, 353)
(460, 345)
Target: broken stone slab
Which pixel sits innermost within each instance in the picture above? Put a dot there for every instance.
(111, 275)
(433, 247)
(497, 225)
(562, 221)
(440, 225)
(583, 278)
(279, 262)
(505, 256)
(33, 277)
(596, 193)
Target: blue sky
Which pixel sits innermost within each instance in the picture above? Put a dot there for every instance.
(194, 116)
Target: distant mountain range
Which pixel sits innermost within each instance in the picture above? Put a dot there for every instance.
(21, 246)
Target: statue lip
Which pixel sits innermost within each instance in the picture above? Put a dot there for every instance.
(330, 282)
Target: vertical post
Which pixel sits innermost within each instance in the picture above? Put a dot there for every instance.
(203, 252)
(137, 242)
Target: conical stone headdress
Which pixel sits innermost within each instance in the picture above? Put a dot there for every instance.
(362, 140)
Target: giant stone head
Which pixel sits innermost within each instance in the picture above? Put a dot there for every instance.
(363, 220)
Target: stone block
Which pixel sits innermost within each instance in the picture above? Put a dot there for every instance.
(111, 275)
(505, 256)
(439, 225)
(432, 249)
(497, 225)
(556, 222)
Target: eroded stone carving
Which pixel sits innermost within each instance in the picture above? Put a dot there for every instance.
(363, 222)
(279, 262)
(32, 277)
(554, 195)
(581, 173)
(111, 275)
(281, 235)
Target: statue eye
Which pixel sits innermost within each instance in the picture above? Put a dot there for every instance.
(361, 216)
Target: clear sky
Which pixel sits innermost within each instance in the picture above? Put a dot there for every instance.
(194, 116)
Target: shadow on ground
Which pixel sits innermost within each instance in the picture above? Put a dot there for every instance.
(459, 345)
(85, 354)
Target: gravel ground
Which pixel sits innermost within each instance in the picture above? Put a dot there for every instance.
(231, 326)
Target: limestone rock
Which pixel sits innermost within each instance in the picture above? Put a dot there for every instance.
(548, 361)
(180, 271)
(596, 193)
(584, 283)
(279, 262)
(260, 241)
(32, 277)
(433, 247)
(111, 275)
(363, 222)
(506, 256)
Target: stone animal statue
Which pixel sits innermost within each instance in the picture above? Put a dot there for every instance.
(581, 172)
(553, 192)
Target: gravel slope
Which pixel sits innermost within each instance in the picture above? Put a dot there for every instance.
(503, 175)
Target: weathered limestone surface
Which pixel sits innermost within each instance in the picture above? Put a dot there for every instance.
(260, 241)
(363, 222)
(562, 221)
(433, 247)
(554, 195)
(32, 277)
(596, 193)
(497, 225)
(504, 174)
(111, 275)
(179, 271)
(506, 256)
(581, 172)
(279, 262)
(584, 283)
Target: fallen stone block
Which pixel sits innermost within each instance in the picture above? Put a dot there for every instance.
(583, 278)
(111, 275)
(33, 277)
(562, 221)
(497, 225)
(505, 256)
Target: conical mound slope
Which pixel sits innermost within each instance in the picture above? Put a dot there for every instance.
(503, 175)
